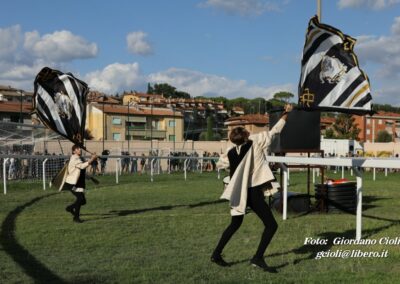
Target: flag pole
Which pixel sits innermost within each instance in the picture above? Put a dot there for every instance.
(319, 10)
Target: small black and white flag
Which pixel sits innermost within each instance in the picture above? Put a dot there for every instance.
(331, 79)
(59, 100)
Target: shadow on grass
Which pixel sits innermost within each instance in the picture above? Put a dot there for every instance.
(31, 266)
(122, 213)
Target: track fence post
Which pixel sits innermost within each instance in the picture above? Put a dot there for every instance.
(44, 173)
(285, 190)
(5, 175)
(117, 170)
(151, 169)
(184, 168)
(359, 203)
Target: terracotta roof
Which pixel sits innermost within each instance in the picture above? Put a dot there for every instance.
(123, 109)
(143, 95)
(385, 113)
(236, 108)
(10, 91)
(151, 103)
(248, 119)
(99, 97)
(15, 107)
(327, 120)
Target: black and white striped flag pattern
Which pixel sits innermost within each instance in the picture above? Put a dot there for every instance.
(59, 100)
(330, 78)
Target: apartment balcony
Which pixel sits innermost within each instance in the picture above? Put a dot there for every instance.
(147, 133)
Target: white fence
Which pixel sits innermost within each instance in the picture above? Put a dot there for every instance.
(355, 163)
(44, 168)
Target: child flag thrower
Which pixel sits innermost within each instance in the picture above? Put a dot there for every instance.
(59, 100)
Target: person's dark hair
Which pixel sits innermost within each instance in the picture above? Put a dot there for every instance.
(239, 135)
(74, 148)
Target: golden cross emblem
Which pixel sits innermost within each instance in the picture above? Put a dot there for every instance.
(307, 98)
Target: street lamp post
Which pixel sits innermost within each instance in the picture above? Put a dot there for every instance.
(151, 126)
(103, 98)
(319, 8)
(21, 120)
(129, 138)
(173, 109)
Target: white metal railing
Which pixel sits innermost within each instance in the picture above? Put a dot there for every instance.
(354, 163)
(5, 175)
(152, 170)
(44, 173)
(117, 170)
(45, 167)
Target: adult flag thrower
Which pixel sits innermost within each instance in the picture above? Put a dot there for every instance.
(59, 100)
(331, 79)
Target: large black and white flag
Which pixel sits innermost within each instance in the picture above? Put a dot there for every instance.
(59, 100)
(330, 78)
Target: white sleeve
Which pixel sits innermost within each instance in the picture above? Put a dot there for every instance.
(82, 165)
(264, 138)
(223, 162)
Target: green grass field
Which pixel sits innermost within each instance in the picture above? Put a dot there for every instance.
(165, 231)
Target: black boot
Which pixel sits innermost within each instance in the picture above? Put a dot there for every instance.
(70, 209)
(217, 259)
(260, 263)
(77, 219)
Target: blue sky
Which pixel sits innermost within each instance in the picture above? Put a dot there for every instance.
(249, 48)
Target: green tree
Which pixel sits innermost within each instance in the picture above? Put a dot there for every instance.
(203, 136)
(166, 90)
(345, 128)
(180, 94)
(217, 137)
(329, 133)
(283, 96)
(274, 103)
(150, 89)
(384, 136)
(210, 131)
(385, 107)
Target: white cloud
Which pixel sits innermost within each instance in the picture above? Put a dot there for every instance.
(370, 4)
(119, 77)
(23, 55)
(138, 44)
(9, 41)
(201, 84)
(381, 55)
(382, 50)
(116, 77)
(243, 7)
(396, 27)
(60, 46)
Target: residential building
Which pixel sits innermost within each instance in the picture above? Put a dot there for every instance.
(194, 111)
(14, 111)
(123, 122)
(254, 123)
(237, 111)
(10, 94)
(326, 122)
(97, 97)
(371, 125)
